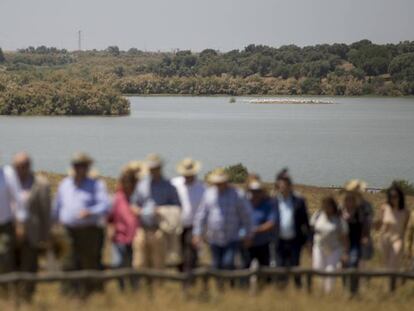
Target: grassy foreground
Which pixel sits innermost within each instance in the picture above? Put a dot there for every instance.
(374, 296)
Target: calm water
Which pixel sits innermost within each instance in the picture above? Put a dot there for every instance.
(369, 138)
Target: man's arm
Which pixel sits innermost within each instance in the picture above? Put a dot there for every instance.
(14, 189)
(102, 200)
(200, 220)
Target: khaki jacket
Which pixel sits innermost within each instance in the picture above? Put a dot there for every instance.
(37, 226)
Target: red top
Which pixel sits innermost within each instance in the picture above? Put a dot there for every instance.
(123, 219)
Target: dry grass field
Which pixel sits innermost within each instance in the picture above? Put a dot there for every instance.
(374, 296)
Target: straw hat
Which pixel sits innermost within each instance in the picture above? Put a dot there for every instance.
(188, 167)
(355, 185)
(137, 167)
(153, 160)
(218, 176)
(81, 158)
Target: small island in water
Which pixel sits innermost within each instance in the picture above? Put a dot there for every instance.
(304, 101)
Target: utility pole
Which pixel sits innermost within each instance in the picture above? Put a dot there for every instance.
(80, 40)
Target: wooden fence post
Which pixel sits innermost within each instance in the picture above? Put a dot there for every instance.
(309, 281)
(393, 283)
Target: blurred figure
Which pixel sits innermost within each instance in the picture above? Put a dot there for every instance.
(222, 214)
(13, 215)
(190, 191)
(330, 239)
(123, 222)
(358, 232)
(293, 223)
(264, 220)
(80, 206)
(392, 222)
(359, 187)
(150, 195)
(36, 197)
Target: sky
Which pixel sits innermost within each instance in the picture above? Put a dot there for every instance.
(198, 24)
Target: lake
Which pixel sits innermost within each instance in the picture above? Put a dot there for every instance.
(368, 138)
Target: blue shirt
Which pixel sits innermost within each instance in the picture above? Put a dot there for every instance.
(263, 213)
(150, 194)
(71, 199)
(222, 215)
(287, 218)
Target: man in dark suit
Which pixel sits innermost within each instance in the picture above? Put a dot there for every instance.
(293, 229)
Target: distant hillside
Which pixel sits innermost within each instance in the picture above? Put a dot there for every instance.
(360, 68)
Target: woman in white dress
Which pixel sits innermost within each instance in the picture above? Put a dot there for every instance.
(330, 239)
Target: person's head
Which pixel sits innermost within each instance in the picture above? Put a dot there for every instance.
(81, 164)
(189, 168)
(396, 197)
(128, 181)
(23, 165)
(137, 167)
(284, 183)
(219, 178)
(154, 164)
(330, 206)
(255, 189)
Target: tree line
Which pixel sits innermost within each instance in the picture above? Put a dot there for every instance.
(360, 68)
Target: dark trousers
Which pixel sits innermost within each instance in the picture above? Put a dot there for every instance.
(122, 258)
(189, 252)
(224, 256)
(261, 253)
(8, 245)
(27, 261)
(354, 259)
(288, 255)
(85, 254)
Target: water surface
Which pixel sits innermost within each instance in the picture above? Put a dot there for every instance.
(369, 138)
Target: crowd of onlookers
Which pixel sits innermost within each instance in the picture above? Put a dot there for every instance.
(155, 222)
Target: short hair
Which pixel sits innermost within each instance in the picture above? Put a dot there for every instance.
(283, 175)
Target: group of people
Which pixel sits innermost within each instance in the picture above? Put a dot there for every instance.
(155, 222)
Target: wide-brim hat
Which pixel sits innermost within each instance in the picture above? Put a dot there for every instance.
(81, 158)
(188, 167)
(137, 167)
(355, 185)
(218, 176)
(153, 160)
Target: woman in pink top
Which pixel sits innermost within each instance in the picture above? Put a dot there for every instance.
(123, 222)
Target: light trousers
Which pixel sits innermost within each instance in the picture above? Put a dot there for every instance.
(326, 260)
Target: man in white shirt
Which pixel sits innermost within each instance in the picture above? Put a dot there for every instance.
(12, 218)
(190, 191)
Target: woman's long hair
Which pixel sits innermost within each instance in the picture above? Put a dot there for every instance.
(400, 193)
(330, 201)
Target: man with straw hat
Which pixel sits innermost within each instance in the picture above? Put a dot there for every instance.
(190, 191)
(150, 194)
(80, 206)
(264, 220)
(224, 212)
(358, 188)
